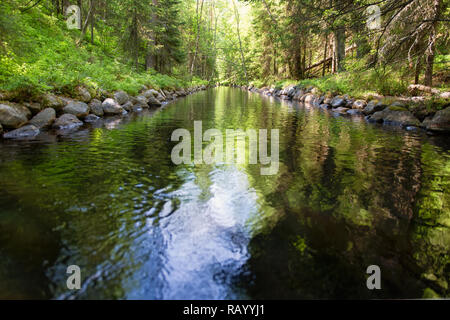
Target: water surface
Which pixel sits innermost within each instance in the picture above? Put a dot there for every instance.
(109, 199)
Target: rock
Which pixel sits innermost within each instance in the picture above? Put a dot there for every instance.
(374, 106)
(389, 116)
(51, 101)
(11, 116)
(152, 101)
(399, 105)
(28, 131)
(83, 94)
(34, 107)
(354, 112)
(43, 119)
(325, 106)
(151, 93)
(440, 121)
(310, 98)
(67, 121)
(349, 103)
(341, 110)
(359, 104)
(143, 101)
(445, 95)
(127, 106)
(111, 107)
(66, 100)
(338, 101)
(121, 97)
(96, 107)
(136, 108)
(91, 118)
(77, 108)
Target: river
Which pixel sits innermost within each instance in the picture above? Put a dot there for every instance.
(108, 199)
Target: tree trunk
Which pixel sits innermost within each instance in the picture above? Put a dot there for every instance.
(236, 14)
(339, 48)
(432, 46)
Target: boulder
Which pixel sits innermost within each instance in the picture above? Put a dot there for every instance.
(141, 100)
(43, 119)
(111, 107)
(67, 121)
(127, 106)
(51, 101)
(151, 93)
(310, 98)
(11, 116)
(152, 101)
(34, 107)
(91, 118)
(121, 97)
(440, 121)
(325, 106)
(96, 107)
(28, 131)
(83, 94)
(359, 104)
(77, 108)
(389, 116)
(338, 101)
(374, 106)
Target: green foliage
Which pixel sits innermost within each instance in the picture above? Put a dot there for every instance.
(45, 57)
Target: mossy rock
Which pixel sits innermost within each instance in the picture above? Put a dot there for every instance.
(397, 108)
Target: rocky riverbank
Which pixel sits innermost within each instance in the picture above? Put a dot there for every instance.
(409, 113)
(49, 112)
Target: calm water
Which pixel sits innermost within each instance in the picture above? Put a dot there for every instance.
(109, 199)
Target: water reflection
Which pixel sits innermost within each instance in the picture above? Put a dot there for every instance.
(109, 199)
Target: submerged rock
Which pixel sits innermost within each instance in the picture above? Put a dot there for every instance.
(440, 121)
(111, 107)
(29, 131)
(45, 118)
(12, 116)
(77, 108)
(355, 112)
(67, 121)
(91, 118)
(341, 110)
(96, 107)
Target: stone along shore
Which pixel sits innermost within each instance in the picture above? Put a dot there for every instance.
(407, 113)
(50, 112)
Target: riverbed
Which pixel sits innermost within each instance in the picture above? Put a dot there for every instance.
(109, 199)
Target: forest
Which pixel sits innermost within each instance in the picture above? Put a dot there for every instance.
(345, 46)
